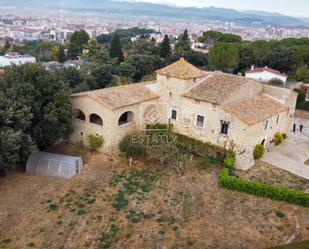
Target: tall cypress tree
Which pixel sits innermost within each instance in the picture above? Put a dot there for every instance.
(61, 56)
(116, 49)
(165, 47)
(185, 36)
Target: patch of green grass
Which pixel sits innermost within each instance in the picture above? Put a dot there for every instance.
(53, 207)
(120, 201)
(81, 212)
(280, 214)
(115, 229)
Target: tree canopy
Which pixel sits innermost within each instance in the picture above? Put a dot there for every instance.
(224, 56)
(116, 48)
(165, 47)
(35, 111)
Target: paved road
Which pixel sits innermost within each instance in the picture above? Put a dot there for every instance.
(293, 152)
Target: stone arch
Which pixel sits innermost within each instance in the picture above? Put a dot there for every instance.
(95, 119)
(79, 114)
(125, 118)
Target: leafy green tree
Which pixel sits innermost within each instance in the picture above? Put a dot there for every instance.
(116, 49)
(100, 76)
(142, 46)
(246, 57)
(125, 69)
(72, 76)
(212, 37)
(280, 58)
(61, 54)
(261, 52)
(224, 56)
(302, 73)
(104, 38)
(198, 59)
(165, 47)
(35, 111)
(47, 94)
(77, 41)
(144, 65)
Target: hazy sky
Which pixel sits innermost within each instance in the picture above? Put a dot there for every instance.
(289, 7)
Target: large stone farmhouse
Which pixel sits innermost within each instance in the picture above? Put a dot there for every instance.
(215, 107)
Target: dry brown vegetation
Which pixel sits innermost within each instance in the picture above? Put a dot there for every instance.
(267, 173)
(112, 205)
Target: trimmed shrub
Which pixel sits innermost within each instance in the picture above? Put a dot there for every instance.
(95, 142)
(258, 151)
(262, 189)
(278, 138)
(229, 162)
(131, 146)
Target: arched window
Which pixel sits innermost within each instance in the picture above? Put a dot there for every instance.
(80, 115)
(96, 119)
(125, 118)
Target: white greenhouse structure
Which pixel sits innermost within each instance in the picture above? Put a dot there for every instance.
(48, 164)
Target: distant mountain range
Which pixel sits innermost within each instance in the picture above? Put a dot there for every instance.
(133, 8)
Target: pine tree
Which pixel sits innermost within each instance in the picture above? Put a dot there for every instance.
(165, 47)
(61, 55)
(185, 36)
(116, 49)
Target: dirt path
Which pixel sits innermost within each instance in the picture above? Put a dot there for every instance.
(172, 212)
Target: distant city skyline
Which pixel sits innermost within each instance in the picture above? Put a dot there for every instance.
(298, 8)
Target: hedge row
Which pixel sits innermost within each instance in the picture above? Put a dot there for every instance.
(262, 189)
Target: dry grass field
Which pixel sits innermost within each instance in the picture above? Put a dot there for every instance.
(112, 205)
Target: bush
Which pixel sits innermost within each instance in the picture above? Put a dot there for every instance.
(262, 189)
(278, 138)
(95, 142)
(258, 151)
(229, 162)
(132, 147)
(301, 100)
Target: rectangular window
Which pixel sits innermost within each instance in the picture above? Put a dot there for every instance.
(174, 115)
(200, 121)
(266, 124)
(224, 127)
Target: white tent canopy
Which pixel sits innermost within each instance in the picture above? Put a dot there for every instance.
(47, 164)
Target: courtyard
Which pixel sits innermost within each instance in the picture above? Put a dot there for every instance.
(293, 153)
(112, 205)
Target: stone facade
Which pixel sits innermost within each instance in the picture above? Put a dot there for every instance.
(220, 120)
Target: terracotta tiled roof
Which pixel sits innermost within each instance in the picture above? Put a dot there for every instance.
(255, 110)
(182, 69)
(217, 87)
(267, 69)
(119, 96)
